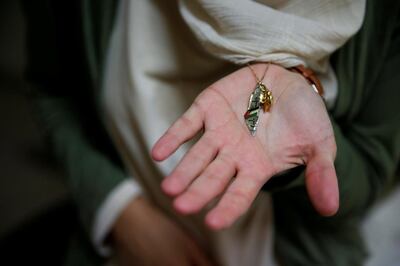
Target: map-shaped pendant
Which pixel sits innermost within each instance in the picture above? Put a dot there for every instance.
(253, 110)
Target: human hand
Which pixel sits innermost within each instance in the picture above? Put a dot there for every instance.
(143, 235)
(227, 160)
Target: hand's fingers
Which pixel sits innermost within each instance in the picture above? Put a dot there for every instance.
(322, 185)
(191, 165)
(185, 128)
(235, 202)
(207, 186)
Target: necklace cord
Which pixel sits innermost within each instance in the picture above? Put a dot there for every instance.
(255, 75)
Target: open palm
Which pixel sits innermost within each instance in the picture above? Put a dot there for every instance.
(227, 160)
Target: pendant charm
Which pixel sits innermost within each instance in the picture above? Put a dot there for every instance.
(261, 97)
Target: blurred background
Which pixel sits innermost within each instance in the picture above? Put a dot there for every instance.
(36, 213)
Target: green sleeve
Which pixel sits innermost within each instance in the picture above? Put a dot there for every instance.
(66, 102)
(90, 172)
(367, 114)
(366, 123)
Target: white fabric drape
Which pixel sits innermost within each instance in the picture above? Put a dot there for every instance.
(287, 32)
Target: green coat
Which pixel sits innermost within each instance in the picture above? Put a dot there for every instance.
(67, 42)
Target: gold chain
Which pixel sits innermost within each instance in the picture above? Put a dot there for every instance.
(255, 75)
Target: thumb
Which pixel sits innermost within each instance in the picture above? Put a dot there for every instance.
(322, 185)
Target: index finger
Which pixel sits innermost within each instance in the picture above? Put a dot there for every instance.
(185, 128)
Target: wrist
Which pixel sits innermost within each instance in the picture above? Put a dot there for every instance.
(310, 77)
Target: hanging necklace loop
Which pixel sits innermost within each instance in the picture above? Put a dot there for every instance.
(255, 75)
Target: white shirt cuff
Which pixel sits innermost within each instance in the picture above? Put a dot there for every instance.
(110, 210)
